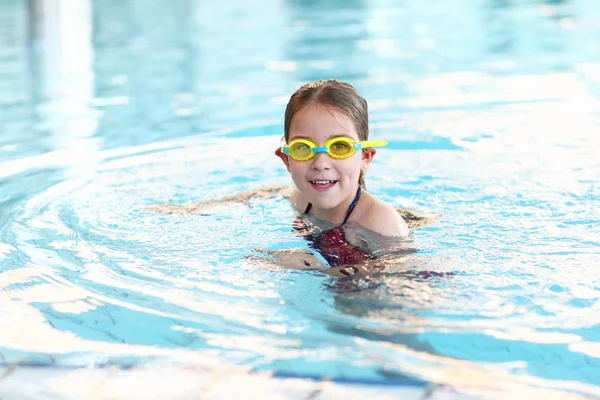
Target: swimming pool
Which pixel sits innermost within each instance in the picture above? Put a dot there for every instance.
(492, 112)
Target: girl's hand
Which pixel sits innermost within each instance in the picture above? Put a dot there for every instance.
(291, 258)
(366, 268)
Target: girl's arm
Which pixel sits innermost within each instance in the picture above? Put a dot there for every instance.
(241, 197)
(413, 218)
(307, 260)
(416, 218)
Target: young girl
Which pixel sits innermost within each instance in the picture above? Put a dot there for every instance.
(327, 152)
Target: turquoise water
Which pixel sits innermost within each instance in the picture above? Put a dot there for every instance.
(492, 112)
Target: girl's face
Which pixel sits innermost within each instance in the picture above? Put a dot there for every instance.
(324, 181)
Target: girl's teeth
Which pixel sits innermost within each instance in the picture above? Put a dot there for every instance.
(323, 182)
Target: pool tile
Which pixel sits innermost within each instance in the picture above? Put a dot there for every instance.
(335, 391)
(106, 383)
(25, 384)
(259, 386)
(139, 383)
(444, 393)
(173, 382)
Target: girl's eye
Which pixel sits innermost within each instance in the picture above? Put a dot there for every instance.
(301, 149)
(340, 147)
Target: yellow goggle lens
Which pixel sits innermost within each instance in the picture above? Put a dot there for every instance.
(300, 150)
(340, 148)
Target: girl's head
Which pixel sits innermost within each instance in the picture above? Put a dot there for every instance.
(337, 96)
(317, 112)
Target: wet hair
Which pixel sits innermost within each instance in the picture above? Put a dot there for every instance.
(335, 94)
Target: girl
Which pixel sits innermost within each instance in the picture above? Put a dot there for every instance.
(327, 151)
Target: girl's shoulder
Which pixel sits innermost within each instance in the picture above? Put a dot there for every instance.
(381, 217)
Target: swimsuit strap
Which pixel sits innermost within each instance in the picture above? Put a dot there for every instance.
(308, 208)
(350, 209)
(354, 202)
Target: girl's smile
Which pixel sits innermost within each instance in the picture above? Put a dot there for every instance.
(322, 185)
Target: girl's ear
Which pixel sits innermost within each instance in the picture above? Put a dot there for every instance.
(367, 157)
(283, 157)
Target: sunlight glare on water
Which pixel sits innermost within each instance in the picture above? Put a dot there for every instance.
(492, 114)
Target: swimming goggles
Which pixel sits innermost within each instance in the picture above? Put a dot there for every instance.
(337, 147)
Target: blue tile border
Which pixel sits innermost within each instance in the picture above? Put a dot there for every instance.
(406, 382)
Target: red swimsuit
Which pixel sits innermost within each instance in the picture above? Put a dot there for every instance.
(332, 244)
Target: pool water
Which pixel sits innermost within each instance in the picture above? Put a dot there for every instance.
(492, 114)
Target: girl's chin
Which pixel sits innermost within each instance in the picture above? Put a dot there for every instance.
(325, 203)
(324, 197)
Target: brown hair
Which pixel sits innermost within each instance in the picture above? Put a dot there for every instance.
(336, 94)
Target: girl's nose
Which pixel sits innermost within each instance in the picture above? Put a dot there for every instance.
(321, 162)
